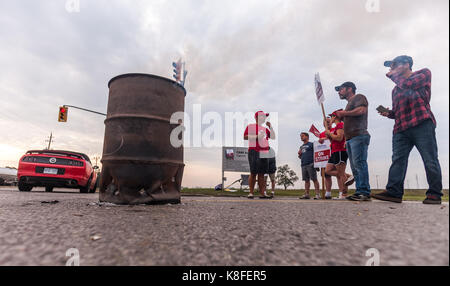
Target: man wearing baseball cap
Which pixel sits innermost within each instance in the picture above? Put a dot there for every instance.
(258, 152)
(357, 138)
(414, 125)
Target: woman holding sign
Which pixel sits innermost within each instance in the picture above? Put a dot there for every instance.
(338, 161)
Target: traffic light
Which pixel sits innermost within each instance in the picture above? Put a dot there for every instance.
(177, 70)
(63, 114)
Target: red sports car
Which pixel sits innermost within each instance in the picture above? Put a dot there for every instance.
(55, 168)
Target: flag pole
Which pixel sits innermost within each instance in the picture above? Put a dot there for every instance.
(324, 116)
(323, 169)
(320, 97)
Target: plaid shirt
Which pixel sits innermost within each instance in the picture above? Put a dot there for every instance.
(411, 100)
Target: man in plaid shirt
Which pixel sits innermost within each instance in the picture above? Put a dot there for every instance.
(414, 126)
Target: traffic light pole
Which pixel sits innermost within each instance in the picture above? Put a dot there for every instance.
(84, 109)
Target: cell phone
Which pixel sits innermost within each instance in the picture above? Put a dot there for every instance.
(382, 109)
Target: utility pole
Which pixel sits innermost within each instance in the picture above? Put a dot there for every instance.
(96, 160)
(417, 179)
(377, 183)
(49, 141)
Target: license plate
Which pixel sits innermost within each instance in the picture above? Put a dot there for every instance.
(50, 171)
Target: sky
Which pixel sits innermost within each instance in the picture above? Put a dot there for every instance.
(241, 56)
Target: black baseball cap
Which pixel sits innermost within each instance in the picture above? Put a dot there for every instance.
(400, 60)
(346, 84)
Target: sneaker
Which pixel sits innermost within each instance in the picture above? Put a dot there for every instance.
(317, 198)
(265, 197)
(432, 200)
(328, 198)
(350, 181)
(250, 196)
(385, 196)
(305, 197)
(358, 197)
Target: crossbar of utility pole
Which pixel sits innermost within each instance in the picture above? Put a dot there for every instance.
(84, 109)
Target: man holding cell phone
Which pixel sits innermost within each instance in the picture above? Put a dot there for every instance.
(414, 126)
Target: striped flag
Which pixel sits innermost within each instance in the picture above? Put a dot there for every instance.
(319, 90)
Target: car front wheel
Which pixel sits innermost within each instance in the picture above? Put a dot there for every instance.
(49, 189)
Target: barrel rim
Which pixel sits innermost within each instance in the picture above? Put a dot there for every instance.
(146, 75)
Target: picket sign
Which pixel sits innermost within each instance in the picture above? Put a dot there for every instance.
(322, 152)
(320, 96)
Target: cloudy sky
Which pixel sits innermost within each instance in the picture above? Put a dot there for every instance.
(241, 55)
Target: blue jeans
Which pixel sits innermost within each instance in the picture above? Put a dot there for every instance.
(357, 148)
(422, 136)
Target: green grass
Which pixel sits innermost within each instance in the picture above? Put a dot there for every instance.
(410, 195)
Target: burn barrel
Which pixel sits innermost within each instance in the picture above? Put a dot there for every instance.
(139, 163)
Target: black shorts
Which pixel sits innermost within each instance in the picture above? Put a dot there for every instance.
(338, 158)
(272, 166)
(257, 164)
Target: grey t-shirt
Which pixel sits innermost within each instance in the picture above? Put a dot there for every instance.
(356, 125)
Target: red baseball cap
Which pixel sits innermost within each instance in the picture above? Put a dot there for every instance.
(335, 113)
(261, 113)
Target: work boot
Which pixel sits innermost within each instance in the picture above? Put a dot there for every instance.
(385, 196)
(432, 200)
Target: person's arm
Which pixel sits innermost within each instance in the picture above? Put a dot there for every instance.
(354, 112)
(249, 137)
(272, 134)
(322, 138)
(360, 104)
(338, 137)
(420, 79)
(390, 114)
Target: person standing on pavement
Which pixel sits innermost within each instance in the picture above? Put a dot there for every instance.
(415, 125)
(357, 138)
(309, 173)
(258, 151)
(272, 170)
(338, 161)
(322, 137)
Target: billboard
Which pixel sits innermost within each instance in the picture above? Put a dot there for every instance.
(235, 159)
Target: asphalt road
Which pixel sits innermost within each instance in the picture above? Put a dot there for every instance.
(218, 231)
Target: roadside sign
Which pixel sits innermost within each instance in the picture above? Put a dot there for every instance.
(235, 159)
(322, 154)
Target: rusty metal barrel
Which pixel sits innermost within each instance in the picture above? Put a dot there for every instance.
(139, 163)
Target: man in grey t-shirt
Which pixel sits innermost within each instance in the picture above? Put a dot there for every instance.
(357, 138)
(309, 173)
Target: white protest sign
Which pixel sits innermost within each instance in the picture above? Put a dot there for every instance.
(322, 153)
(319, 90)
